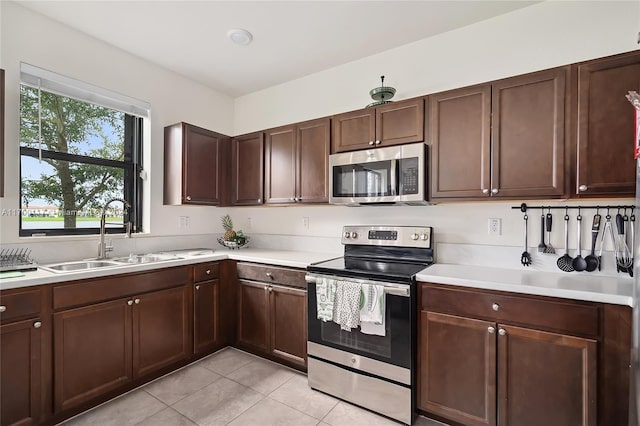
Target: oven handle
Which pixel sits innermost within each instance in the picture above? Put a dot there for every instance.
(403, 290)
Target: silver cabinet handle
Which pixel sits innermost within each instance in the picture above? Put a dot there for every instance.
(292, 199)
(502, 331)
(495, 307)
(208, 272)
(494, 191)
(491, 330)
(259, 200)
(270, 289)
(197, 287)
(583, 188)
(485, 191)
(371, 143)
(3, 308)
(269, 275)
(188, 198)
(137, 301)
(129, 302)
(37, 324)
(378, 142)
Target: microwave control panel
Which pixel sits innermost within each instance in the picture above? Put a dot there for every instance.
(409, 176)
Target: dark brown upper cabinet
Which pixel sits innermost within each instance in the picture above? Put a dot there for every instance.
(1, 133)
(297, 163)
(389, 124)
(194, 165)
(605, 126)
(502, 140)
(247, 169)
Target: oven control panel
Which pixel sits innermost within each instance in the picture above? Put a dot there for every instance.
(397, 236)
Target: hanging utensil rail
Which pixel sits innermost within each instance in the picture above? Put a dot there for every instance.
(524, 207)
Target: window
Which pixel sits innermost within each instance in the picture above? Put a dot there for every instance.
(78, 149)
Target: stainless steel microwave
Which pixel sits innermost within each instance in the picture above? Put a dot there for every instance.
(391, 175)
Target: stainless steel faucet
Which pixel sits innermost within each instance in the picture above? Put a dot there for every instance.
(103, 249)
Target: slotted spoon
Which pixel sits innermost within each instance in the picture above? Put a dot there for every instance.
(565, 262)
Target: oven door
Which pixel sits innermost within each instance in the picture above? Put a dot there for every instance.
(392, 348)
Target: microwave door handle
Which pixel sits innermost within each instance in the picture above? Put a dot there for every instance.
(394, 178)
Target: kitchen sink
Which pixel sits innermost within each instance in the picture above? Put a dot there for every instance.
(80, 265)
(135, 259)
(85, 265)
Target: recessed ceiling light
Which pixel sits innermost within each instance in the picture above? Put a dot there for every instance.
(240, 36)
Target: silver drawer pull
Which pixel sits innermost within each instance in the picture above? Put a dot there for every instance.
(3, 308)
(502, 331)
(495, 307)
(37, 324)
(208, 272)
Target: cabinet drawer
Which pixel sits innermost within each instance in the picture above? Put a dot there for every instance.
(567, 316)
(107, 288)
(206, 271)
(21, 304)
(272, 274)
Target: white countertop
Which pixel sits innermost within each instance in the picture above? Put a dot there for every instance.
(569, 285)
(578, 286)
(294, 259)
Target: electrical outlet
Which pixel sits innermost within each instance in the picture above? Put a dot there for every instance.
(249, 223)
(495, 226)
(305, 222)
(185, 222)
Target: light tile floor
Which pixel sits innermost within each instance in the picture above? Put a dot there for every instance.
(231, 387)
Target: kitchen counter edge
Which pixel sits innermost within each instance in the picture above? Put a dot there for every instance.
(575, 286)
(293, 259)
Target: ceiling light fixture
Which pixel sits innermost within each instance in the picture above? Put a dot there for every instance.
(240, 36)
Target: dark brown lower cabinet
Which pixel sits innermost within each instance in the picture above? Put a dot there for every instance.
(160, 330)
(20, 363)
(458, 360)
(288, 323)
(493, 358)
(253, 315)
(545, 378)
(206, 305)
(92, 351)
(103, 346)
(272, 321)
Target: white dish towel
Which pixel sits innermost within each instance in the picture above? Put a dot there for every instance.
(346, 307)
(325, 296)
(372, 310)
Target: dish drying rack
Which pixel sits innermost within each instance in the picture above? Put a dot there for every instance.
(17, 260)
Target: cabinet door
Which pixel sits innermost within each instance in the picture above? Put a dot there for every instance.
(527, 135)
(280, 165)
(92, 351)
(460, 130)
(247, 169)
(457, 368)
(545, 378)
(202, 164)
(20, 363)
(400, 122)
(606, 126)
(314, 145)
(160, 329)
(253, 315)
(206, 305)
(353, 130)
(288, 317)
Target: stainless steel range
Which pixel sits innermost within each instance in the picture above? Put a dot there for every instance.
(371, 364)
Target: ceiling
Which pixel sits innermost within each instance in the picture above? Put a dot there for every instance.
(291, 38)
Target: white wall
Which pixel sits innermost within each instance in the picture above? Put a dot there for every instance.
(541, 36)
(29, 37)
(537, 37)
